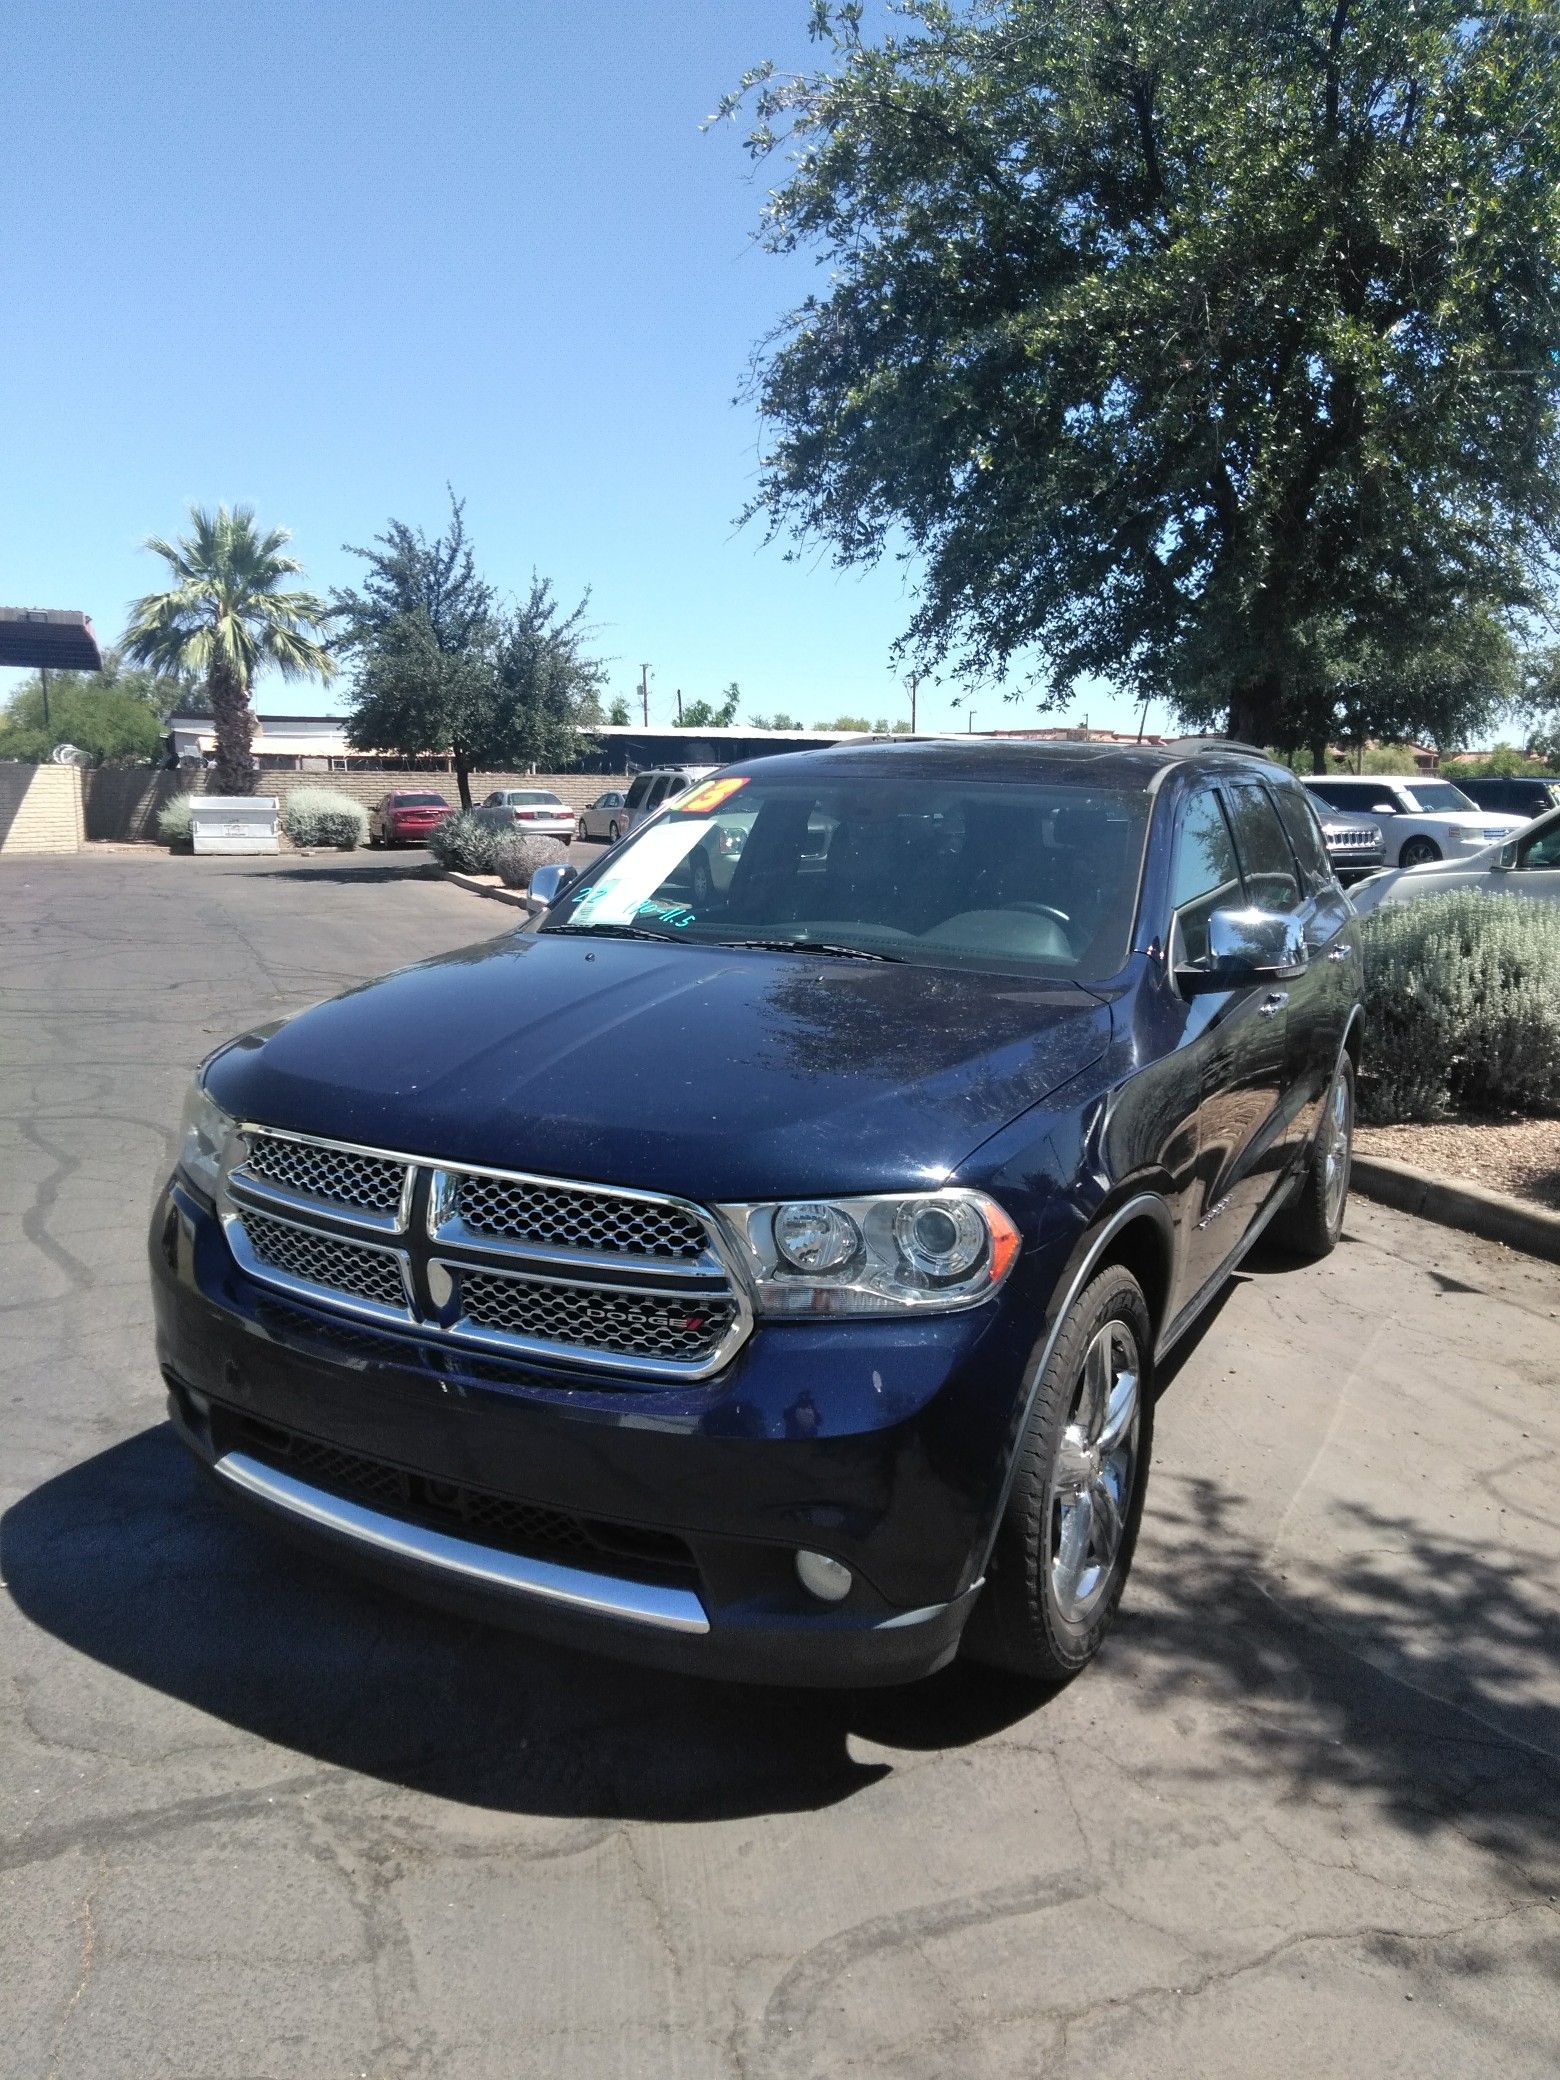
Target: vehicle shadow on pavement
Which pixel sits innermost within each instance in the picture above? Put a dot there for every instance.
(414, 869)
(128, 1559)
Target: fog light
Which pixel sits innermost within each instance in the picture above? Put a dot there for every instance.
(828, 1580)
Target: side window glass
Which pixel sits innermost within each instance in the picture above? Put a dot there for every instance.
(1305, 835)
(637, 792)
(1542, 851)
(1204, 875)
(1272, 881)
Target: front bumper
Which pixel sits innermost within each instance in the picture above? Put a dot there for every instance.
(883, 1444)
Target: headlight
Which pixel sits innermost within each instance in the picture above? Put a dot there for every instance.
(916, 1250)
(203, 1139)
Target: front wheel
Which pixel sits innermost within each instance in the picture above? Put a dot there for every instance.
(1065, 1542)
(580, 830)
(1418, 852)
(612, 833)
(1313, 1220)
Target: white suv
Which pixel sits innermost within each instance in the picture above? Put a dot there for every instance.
(1419, 819)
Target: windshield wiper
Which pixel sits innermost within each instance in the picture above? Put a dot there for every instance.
(843, 953)
(611, 931)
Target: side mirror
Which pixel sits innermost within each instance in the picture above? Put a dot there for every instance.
(1247, 947)
(548, 883)
(1383, 809)
(1508, 857)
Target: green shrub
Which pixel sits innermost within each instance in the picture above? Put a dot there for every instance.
(1462, 992)
(516, 857)
(173, 820)
(464, 842)
(319, 816)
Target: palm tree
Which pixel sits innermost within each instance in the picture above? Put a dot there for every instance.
(225, 616)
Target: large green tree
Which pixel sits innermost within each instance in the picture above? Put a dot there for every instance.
(443, 670)
(111, 722)
(227, 613)
(1210, 349)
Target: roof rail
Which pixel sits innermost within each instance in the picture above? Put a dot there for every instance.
(1216, 743)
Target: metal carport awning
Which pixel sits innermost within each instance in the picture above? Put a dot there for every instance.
(44, 638)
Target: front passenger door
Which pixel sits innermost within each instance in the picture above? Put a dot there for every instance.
(1236, 1038)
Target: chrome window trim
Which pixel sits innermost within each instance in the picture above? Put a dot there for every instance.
(602, 1595)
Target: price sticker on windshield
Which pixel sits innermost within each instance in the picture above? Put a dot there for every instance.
(708, 798)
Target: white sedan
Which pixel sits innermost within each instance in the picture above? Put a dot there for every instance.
(1526, 865)
(535, 811)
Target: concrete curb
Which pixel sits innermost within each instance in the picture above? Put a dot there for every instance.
(495, 890)
(1495, 1215)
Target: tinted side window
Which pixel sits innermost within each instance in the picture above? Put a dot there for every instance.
(1337, 797)
(1272, 882)
(1204, 875)
(637, 791)
(659, 790)
(1305, 834)
(1541, 853)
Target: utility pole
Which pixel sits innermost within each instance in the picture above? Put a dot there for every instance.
(679, 708)
(644, 693)
(913, 682)
(43, 680)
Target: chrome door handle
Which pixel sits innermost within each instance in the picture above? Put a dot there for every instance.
(1341, 953)
(1273, 1002)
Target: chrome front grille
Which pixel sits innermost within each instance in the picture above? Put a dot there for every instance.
(681, 1328)
(529, 1266)
(335, 1176)
(575, 1219)
(353, 1269)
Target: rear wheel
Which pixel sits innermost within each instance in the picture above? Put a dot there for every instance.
(580, 830)
(612, 833)
(701, 885)
(1418, 852)
(1067, 1535)
(1313, 1220)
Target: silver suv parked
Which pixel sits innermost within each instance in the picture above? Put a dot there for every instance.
(648, 790)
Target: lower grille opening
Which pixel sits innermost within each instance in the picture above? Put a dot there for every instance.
(464, 1512)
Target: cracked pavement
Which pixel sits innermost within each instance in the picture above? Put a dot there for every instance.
(259, 1821)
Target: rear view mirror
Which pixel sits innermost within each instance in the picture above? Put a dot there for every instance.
(1246, 947)
(548, 883)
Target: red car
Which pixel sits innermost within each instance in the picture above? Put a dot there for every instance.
(406, 819)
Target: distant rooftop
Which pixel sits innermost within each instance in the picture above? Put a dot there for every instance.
(48, 637)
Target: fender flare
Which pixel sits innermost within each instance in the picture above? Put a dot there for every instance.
(1081, 1268)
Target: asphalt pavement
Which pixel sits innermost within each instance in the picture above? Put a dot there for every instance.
(262, 1822)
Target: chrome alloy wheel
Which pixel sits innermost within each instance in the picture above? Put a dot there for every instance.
(1337, 1133)
(1091, 1481)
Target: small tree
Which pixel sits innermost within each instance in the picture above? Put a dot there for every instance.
(709, 715)
(225, 616)
(444, 672)
(617, 714)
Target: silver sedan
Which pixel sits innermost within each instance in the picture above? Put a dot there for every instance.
(604, 818)
(536, 811)
(1526, 864)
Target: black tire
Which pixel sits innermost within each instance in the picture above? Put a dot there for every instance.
(374, 840)
(1023, 1622)
(701, 883)
(612, 834)
(580, 830)
(1313, 1220)
(1418, 852)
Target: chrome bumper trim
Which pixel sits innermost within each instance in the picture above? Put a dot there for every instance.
(603, 1595)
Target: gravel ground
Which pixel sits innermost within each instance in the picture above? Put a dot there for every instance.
(1520, 1156)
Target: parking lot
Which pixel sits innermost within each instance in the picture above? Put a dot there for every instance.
(260, 1820)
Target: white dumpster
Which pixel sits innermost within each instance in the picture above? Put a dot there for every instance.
(234, 823)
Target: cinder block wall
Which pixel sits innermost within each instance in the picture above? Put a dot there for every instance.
(122, 803)
(41, 809)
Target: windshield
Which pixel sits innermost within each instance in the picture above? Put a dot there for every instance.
(522, 796)
(1438, 796)
(964, 874)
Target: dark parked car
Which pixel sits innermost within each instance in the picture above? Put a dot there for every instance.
(773, 1283)
(406, 818)
(1513, 794)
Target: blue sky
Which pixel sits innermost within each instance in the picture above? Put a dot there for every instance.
(323, 257)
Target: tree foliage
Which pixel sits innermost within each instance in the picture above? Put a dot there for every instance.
(1209, 349)
(443, 670)
(112, 723)
(226, 614)
(713, 714)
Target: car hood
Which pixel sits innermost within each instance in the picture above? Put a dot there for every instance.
(702, 1071)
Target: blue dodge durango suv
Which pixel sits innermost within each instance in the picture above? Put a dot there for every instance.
(764, 1271)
